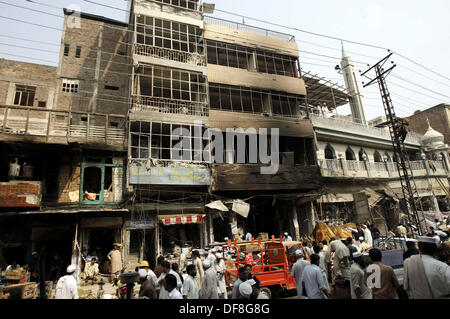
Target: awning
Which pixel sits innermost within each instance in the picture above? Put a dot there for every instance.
(169, 220)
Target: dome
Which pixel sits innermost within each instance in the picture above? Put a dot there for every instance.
(432, 137)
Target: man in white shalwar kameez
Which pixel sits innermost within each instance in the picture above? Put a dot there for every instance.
(210, 283)
(221, 269)
(297, 271)
(67, 288)
(367, 235)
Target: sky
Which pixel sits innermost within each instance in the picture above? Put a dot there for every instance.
(418, 30)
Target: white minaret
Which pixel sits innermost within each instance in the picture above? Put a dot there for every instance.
(348, 70)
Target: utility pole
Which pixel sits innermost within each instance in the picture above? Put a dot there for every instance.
(398, 134)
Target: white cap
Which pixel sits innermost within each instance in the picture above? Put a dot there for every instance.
(142, 273)
(285, 234)
(299, 253)
(206, 263)
(226, 239)
(361, 238)
(219, 256)
(251, 282)
(245, 289)
(440, 233)
(71, 269)
(425, 239)
(213, 250)
(357, 254)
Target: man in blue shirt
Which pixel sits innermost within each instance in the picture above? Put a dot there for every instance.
(313, 280)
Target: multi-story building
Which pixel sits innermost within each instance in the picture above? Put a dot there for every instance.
(62, 134)
(180, 129)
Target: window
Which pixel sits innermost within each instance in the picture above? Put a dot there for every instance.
(70, 86)
(172, 84)
(235, 56)
(169, 34)
(252, 100)
(42, 104)
(24, 95)
(78, 52)
(66, 49)
(160, 140)
(329, 152)
(111, 88)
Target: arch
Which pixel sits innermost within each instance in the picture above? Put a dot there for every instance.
(377, 157)
(350, 155)
(330, 153)
(361, 153)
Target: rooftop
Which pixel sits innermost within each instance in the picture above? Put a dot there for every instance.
(248, 28)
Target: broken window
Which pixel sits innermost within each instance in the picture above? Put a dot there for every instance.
(252, 100)
(98, 182)
(235, 56)
(24, 95)
(171, 84)
(165, 141)
(169, 34)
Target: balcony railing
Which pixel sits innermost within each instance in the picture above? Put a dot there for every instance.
(357, 169)
(83, 127)
(185, 4)
(169, 106)
(194, 59)
(248, 28)
(356, 128)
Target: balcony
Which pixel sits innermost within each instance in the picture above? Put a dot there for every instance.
(62, 127)
(331, 126)
(192, 59)
(379, 170)
(143, 106)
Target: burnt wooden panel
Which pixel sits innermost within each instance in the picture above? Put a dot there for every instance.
(249, 177)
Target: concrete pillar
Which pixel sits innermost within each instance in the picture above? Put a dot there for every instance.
(367, 165)
(388, 167)
(295, 228)
(343, 164)
(211, 238)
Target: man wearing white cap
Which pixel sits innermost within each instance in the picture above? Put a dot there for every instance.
(358, 287)
(245, 290)
(221, 269)
(425, 276)
(297, 271)
(212, 257)
(286, 237)
(210, 284)
(367, 235)
(67, 288)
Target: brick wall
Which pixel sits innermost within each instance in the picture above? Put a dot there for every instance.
(69, 179)
(94, 37)
(439, 120)
(20, 194)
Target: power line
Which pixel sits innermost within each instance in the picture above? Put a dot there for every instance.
(303, 31)
(420, 86)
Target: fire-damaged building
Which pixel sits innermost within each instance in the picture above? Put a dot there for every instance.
(178, 129)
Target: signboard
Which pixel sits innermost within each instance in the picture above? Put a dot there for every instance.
(169, 176)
